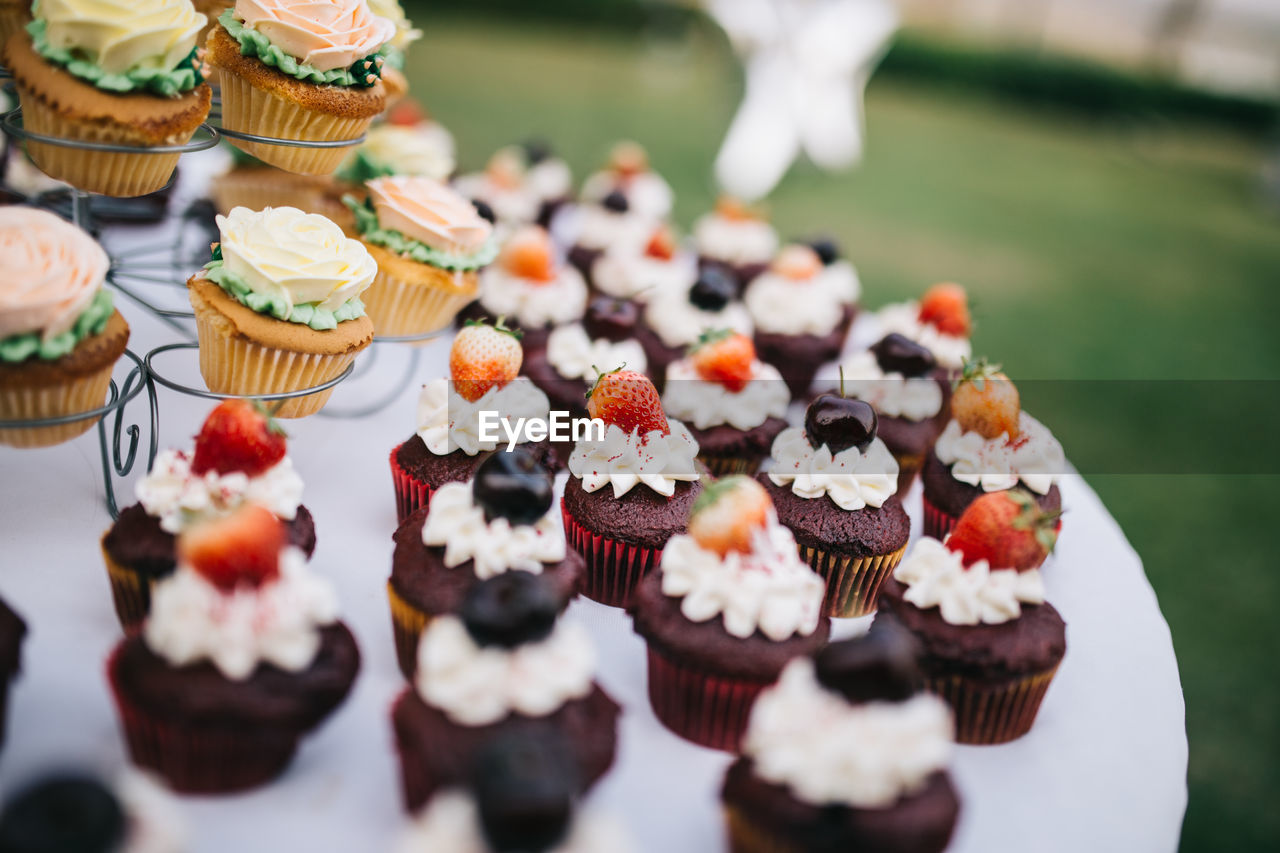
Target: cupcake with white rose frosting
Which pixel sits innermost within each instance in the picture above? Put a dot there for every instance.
(503, 520)
(503, 665)
(630, 490)
(833, 482)
(939, 321)
(429, 244)
(241, 656)
(278, 309)
(521, 184)
(408, 143)
(976, 602)
(628, 172)
(730, 604)
(845, 754)
(802, 308)
(239, 457)
(734, 404)
(638, 271)
(735, 238)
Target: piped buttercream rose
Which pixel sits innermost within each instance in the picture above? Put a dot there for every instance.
(427, 211)
(325, 34)
(121, 35)
(52, 271)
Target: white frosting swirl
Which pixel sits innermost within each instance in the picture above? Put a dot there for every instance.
(826, 750)
(649, 196)
(455, 523)
(177, 496)
(518, 198)
(851, 478)
(915, 398)
(1035, 457)
(678, 322)
(478, 685)
(447, 421)
(769, 589)
(737, 241)
(950, 351)
(120, 35)
(424, 149)
(625, 459)
(601, 228)
(689, 397)
(628, 272)
(574, 355)
(450, 823)
(534, 303)
(811, 306)
(936, 576)
(277, 623)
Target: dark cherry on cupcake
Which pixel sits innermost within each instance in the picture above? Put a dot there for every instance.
(575, 353)
(239, 455)
(734, 404)
(12, 632)
(484, 363)
(241, 656)
(802, 310)
(991, 643)
(834, 484)
(730, 604)
(73, 812)
(940, 321)
(844, 754)
(630, 492)
(989, 445)
(503, 520)
(502, 665)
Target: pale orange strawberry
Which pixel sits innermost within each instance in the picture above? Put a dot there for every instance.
(946, 307)
(725, 357)
(662, 244)
(484, 357)
(506, 168)
(727, 514)
(628, 159)
(734, 210)
(797, 262)
(240, 549)
(985, 401)
(628, 400)
(1007, 529)
(407, 113)
(529, 254)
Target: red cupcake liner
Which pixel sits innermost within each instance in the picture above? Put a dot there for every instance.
(937, 523)
(411, 494)
(201, 758)
(988, 713)
(614, 568)
(707, 709)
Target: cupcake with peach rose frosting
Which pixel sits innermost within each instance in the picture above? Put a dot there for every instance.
(297, 69)
(60, 335)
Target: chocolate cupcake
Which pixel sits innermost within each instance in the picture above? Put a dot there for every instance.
(501, 521)
(736, 405)
(637, 270)
(730, 604)
(239, 457)
(833, 483)
(606, 225)
(939, 321)
(522, 184)
(502, 666)
(843, 754)
(12, 632)
(802, 308)
(241, 656)
(628, 173)
(735, 239)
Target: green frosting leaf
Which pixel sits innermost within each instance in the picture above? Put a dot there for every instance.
(369, 228)
(360, 167)
(394, 56)
(362, 73)
(307, 314)
(91, 321)
(157, 81)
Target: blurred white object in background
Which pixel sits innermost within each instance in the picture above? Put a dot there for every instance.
(807, 63)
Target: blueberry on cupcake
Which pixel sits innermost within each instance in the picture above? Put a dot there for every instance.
(675, 319)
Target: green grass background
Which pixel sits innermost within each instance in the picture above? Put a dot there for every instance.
(1093, 251)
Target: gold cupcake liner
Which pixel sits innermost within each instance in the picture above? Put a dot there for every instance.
(64, 398)
(248, 109)
(13, 17)
(852, 582)
(745, 836)
(232, 365)
(130, 592)
(992, 713)
(257, 189)
(909, 467)
(400, 306)
(407, 625)
(728, 466)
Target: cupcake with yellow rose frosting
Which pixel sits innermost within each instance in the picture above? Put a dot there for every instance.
(296, 69)
(108, 71)
(60, 336)
(278, 308)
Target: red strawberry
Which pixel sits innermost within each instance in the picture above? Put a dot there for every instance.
(727, 513)
(528, 254)
(628, 400)
(1007, 529)
(628, 159)
(725, 357)
(798, 263)
(662, 244)
(946, 307)
(406, 113)
(238, 435)
(240, 549)
(483, 357)
(985, 401)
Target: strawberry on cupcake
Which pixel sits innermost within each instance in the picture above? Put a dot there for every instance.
(637, 271)
(674, 319)
(940, 321)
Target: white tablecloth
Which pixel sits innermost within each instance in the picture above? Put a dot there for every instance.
(1104, 768)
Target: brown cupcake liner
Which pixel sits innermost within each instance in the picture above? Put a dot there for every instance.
(201, 759)
(614, 568)
(746, 836)
(708, 709)
(130, 592)
(909, 467)
(13, 18)
(729, 465)
(407, 625)
(853, 583)
(67, 397)
(248, 109)
(937, 523)
(411, 494)
(988, 713)
(398, 306)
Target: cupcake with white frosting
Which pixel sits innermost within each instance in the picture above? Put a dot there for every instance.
(834, 484)
(521, 184)
(604, 226)
(638, 272)
(628, 172)
(939, 321)
(735, 238)
(242, 655)
(729, 605)
(674, 319)
(502, 665)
